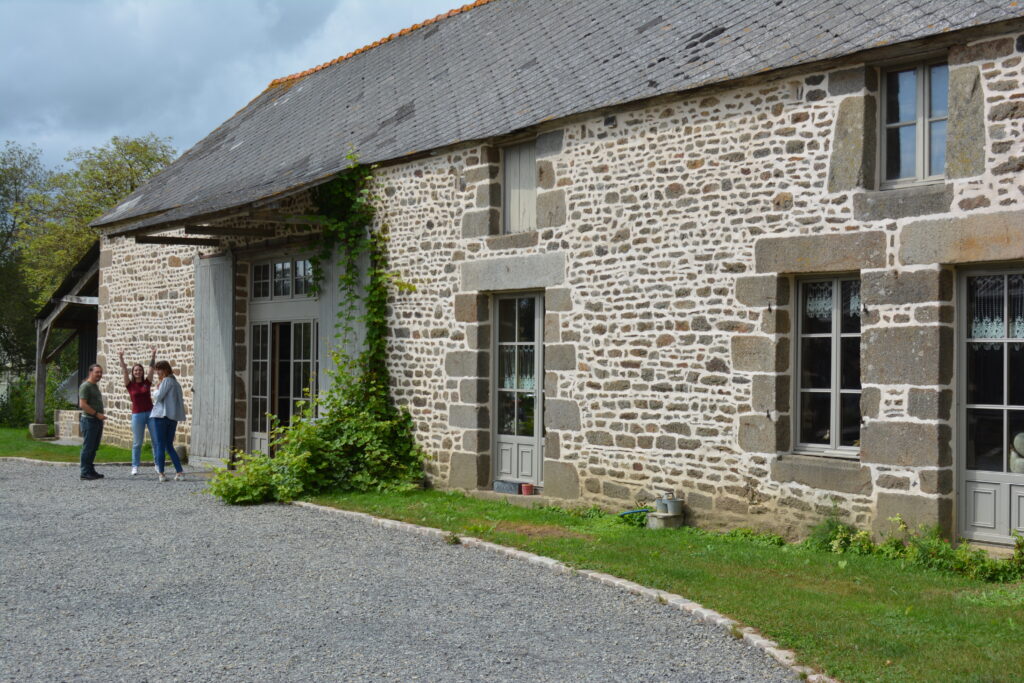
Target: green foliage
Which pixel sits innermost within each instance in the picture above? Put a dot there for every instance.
(54, 215)
(351, 437)
(756, 537)
(636, 519)
(17, 406)
(925, 548)
(20, 171)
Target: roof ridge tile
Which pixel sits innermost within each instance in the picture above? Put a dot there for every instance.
(381, 41)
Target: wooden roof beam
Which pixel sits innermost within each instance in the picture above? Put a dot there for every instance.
(287, 219)
(228, 232)
(180, 241)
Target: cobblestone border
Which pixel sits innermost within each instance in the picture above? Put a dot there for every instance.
(751, 635)
(59, 462)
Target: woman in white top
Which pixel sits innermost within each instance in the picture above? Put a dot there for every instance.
(168, 410)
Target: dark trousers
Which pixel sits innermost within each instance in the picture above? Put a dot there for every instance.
(92, 432)
(162, 430)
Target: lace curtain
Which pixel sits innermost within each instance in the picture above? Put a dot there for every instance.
(1016, 290)
(986, 295)
(818, 302)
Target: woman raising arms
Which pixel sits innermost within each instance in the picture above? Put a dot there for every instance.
(138, 384)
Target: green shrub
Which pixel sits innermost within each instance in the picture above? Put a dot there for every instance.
(924, 548)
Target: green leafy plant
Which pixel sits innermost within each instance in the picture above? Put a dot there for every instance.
(758, 537)
(351, 437)
(924, 547)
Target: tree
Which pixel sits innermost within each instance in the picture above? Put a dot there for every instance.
(20, 171)
(54, 217)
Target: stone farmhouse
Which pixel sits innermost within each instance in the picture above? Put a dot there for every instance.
(766, 255)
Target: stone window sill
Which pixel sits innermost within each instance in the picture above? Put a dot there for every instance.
(921, 199)
(827, 473)
(515, 240)
(839, 457)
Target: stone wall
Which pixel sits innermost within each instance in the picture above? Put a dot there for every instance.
(66, 424)
(146, 300)
(682, 226)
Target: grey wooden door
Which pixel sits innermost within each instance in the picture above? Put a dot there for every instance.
(212, 382)
(518, 393)
(990, 460)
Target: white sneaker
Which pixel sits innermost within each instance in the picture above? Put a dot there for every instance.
(135, 470)
(179, 476)
(161, 477)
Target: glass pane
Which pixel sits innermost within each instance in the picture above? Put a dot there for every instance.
(507, 320)
(937, 148)
(506, 412)
(985, 374)
(524, 419)
(814, 418)
(849, 363)
(816, 313)
(1015, 451)
(900, 96)
(526, 368)
(301, 379)
(303, 276)
(261, 281)
(938, 84)
(1015, 290)
(985, 440)
(283, 279)
(985, 300)
(303, 341)
(507, 367)
(850, 310)
(816, 363)
(849, 416)
(1015, 376)
(900, 152)
(256, 415)
(527, 308)
(259, 379)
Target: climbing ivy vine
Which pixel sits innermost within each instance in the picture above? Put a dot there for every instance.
(351, 437)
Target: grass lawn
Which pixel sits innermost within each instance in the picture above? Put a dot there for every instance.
(857, 618)
(16, 443)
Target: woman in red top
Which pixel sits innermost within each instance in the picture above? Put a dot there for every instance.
(138, 385)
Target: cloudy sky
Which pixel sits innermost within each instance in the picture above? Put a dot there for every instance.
(75, 72)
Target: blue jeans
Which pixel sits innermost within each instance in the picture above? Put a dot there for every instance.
(139, 422)
(162, 430)
(92, 431)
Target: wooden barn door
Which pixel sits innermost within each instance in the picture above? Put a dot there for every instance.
(211, 384)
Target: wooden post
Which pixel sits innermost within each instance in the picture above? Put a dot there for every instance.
(42, 336)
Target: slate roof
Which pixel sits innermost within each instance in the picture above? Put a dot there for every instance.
(503, 65)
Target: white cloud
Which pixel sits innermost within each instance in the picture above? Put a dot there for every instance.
(75, 72)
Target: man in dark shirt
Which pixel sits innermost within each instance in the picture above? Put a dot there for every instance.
(90, 400)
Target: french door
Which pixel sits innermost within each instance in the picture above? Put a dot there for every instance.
(991, 406)
(518, 396)
(283, 368)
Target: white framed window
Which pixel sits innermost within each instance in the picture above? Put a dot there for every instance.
(828, 367)
(519, 187)
(913, 132)
(282, 279)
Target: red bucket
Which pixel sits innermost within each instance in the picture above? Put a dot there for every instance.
(526, 489)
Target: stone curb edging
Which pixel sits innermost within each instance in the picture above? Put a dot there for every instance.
(66, 464)
(751, 635)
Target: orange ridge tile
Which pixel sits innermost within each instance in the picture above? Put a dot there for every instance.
(386, 39)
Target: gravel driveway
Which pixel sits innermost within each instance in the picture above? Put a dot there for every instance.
(128, 579)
